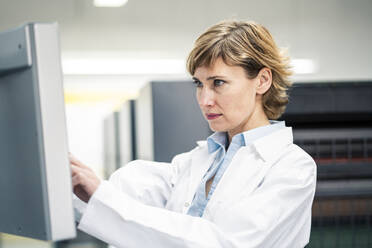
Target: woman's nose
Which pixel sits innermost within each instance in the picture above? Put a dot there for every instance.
(206, 97)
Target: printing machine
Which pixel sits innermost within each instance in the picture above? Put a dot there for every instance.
(332, 122)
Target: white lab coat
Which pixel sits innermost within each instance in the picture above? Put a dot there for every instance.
(264, 199)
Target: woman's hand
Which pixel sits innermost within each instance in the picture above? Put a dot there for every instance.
(84, 180)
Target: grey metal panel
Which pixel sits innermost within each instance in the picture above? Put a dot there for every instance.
(144, 124)
(125, 133)
(177, 120)
(332, 133)
(22, 185)
(330, 98)
(133, 128)
(344, 188)
(15, 50)
(53, 122)
(111, 146)
(35, 184)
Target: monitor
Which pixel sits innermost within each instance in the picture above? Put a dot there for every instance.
(35, 181)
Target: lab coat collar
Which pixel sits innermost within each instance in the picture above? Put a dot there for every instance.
(270, 146)
(201, 143)
(219, 139)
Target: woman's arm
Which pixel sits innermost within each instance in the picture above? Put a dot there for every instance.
(267, 218)
(121, 221)
(147, 182)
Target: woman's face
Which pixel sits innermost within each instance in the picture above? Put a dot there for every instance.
(229, 101)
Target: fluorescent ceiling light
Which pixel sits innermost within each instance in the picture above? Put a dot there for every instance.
(109, 3)
(117, 66)
(303, 66)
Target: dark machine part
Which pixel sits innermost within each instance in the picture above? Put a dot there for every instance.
(168, 120)
(333, 123)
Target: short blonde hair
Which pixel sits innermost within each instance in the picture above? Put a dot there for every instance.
(251, 46)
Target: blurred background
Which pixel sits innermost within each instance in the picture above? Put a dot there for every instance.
(125, 78)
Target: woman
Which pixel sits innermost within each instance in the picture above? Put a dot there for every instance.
(248, 185)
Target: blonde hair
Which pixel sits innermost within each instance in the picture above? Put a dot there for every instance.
(251, 46)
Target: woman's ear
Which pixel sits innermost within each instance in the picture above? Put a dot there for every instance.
(265, 79)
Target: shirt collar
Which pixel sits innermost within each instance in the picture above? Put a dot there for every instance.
(219, 139)
(216, 140)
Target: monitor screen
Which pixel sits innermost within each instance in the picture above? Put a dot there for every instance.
(35, 182)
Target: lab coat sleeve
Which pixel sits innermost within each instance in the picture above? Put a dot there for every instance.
(123, 222)
(145, 181)
(118, 219)
(79, 208)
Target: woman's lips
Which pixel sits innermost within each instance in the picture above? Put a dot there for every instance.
(212, 116)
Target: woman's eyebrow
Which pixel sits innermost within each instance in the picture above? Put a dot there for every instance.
(214, 77)
(209, 78)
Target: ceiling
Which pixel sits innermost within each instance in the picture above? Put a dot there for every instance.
(336, 34)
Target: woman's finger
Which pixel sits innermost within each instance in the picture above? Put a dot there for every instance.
(81, 165)
(82, 179)
(75, 180)
(76, 169)
(89, 173)
(76, 162)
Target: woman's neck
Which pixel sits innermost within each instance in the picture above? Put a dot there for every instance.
(255, 120)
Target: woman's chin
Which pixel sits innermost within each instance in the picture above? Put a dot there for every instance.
(217, 128)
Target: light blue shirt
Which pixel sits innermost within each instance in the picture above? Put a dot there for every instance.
(218, 141)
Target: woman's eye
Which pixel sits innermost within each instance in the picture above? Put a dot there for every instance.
(218, 82)
(197, 83)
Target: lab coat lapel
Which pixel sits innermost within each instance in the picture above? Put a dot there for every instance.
(249, 167)
(200, 163)
(244, 174)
